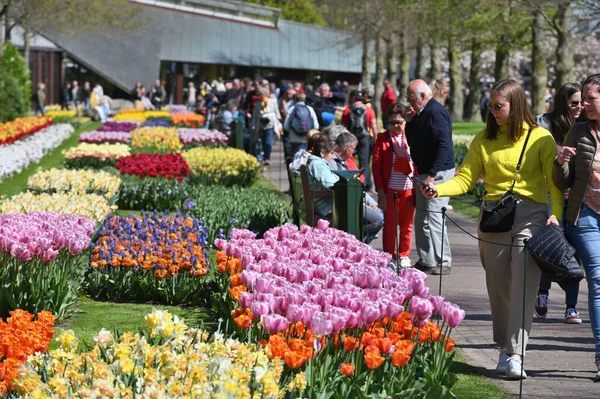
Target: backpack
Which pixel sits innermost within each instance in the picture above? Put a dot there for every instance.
(301, 120)
(358, 122)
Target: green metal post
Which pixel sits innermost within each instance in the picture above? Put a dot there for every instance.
(348, 204)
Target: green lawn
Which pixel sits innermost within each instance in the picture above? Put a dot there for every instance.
(54, 159)
(465, 205)
(467, 128)
(92, 316)
(471, 385)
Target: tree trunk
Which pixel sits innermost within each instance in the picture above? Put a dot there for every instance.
(392, 60)
(456, 93)
(502, 58)
(379, 70)
(564, 47)
(366, 62)
(539, 71)
(473, 114)
(2, 20)
(404, 68)
(26, 45)
(436, 71)
(420, 67)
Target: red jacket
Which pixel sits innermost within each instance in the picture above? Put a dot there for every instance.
(383, 156)
(387, 98)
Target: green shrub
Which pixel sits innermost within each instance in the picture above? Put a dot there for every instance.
(225, 208)
(89, 163)
(15, 84)
(149, 193)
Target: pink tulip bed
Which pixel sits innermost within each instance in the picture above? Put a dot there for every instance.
(330, 307)
(41, 268)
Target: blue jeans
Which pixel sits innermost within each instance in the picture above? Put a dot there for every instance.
(267, 142)
(585, 237)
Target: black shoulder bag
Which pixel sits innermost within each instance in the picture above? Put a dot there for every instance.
(499, 217)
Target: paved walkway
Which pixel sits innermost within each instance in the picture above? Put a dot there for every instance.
(560, 357)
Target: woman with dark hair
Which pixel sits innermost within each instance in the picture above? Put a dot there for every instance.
(577, 168)
(567, 109)
(511, 273)
(392, 169)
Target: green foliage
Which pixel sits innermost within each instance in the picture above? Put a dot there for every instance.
(15, 84)
(36, 285)
(142, 287)
(225, 208)
(304, 11)
(89, 163)
(157, 193)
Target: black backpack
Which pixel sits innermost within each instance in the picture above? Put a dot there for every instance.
(358, 122)
(302, 122)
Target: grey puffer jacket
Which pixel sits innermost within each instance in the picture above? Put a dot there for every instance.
(575, 174)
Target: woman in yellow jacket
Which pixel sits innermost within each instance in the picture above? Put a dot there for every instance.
(493, 155)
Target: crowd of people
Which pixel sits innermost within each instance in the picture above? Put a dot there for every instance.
(408, 175)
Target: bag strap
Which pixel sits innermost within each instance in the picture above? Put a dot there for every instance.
(520, 159)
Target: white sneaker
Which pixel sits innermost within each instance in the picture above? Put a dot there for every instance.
(514, 369)
(502, 361)
(405, 262)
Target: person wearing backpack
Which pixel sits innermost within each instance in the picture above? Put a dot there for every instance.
(300, 119)
(358, 119)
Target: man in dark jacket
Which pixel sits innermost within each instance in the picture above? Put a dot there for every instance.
(429, 136)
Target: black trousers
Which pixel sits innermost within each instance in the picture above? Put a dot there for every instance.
(363, 150)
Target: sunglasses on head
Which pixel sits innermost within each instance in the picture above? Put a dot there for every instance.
(397, 122)
(495, 107)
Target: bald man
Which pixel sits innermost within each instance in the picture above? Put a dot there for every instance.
(429, 136)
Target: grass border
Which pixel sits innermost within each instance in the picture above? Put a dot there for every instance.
(54, 159)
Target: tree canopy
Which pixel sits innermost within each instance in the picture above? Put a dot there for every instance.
(295, 10)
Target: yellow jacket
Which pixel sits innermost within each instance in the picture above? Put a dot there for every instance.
(496, 161)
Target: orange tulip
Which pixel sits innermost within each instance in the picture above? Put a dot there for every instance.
(384, 344)
(235, 279)
(400, 358)
(449, 344)
(368, 339)
(347, 369)
(350, 343)
(294, 359)
(372, 357)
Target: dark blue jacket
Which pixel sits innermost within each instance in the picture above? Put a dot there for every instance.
(429, 135)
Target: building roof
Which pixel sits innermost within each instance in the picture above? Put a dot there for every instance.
(176, 33)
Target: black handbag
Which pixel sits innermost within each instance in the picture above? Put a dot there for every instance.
(553, 254)
(499, 217)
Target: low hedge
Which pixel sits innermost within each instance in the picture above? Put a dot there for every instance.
(222, 209)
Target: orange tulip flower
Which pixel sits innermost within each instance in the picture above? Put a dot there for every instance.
(347, 369)
(373, 357)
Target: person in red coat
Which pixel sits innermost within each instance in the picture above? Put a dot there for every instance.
(392, 169)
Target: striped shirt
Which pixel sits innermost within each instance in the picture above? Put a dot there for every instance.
(398, 180)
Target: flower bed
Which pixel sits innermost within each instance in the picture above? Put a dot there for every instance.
(156, 114)
(177, 109)
(168, 360)
(155, 140)
(16, 157)
(91, 206)
(188, 120)
(157, 193)
(74, 182)
(224, 166)
(202, 138)
(323, 301)
(61, 114)
(171, 166)
(152, 257)
(41, 269)
(22, 127)
(130, 116)
(157, 122)
(118, 127)
(21, 338)
(97, 137)
(95, 156)
(224, 208)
